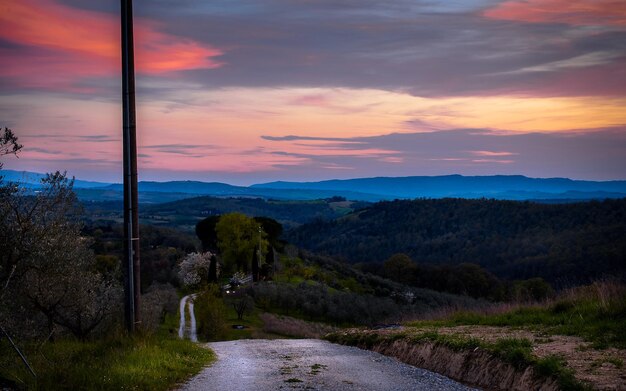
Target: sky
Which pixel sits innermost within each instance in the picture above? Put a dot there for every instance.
(250, 91)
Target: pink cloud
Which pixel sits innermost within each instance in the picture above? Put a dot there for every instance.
(574, 12)
(493, 161)
(492, 153)
(598, 80)
(62, 45)
(319, 100)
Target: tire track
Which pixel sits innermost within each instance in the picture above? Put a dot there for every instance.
(187, 302)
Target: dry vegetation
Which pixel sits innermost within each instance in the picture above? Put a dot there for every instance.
(292, 327)
(576, 338)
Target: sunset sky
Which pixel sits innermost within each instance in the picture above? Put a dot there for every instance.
(248, 91)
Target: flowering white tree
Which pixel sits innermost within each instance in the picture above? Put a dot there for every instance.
(194, 268)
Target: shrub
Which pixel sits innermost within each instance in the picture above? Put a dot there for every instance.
(159, 300)
(210, 313)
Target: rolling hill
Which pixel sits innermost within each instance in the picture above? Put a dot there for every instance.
(515, 240)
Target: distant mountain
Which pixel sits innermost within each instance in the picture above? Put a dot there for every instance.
(516, 187)
(216, 189)
(33, 179)
(511, 187)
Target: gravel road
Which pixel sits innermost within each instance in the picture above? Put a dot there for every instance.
(264, 365)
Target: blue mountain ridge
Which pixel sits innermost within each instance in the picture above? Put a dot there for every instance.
(511, 187)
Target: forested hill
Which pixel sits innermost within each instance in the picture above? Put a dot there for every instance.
(561, 243)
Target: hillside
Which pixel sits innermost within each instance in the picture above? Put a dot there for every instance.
(562, 243)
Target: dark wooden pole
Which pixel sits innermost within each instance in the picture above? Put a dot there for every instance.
(132, 283)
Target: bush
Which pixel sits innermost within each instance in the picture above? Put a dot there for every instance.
(210, 313)
(161, 299)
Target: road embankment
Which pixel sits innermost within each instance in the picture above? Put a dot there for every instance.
(469, 361)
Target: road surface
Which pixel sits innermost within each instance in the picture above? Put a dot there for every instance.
(264, 365)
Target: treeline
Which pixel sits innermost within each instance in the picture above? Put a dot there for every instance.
(563, 243)
(462, 279)
(289, 213)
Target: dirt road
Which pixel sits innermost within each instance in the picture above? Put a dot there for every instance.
(264, 365)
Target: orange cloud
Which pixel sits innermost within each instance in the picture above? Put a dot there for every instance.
(574, 12)
(61, 43)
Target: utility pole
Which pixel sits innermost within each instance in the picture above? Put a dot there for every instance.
(132, 282)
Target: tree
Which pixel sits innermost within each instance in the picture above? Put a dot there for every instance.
(272, 228)
(255, 265)
(213, 269)
(194, 269)
(242, 303)
(205, 230)
(46, 266)
(8, 143)
(237, 237)
(399, 267)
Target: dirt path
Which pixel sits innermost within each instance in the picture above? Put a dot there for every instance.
(311, 364)
(187, 301)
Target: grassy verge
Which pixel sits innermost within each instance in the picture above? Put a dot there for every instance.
(144, 362)
(517, 352)
(597, 313)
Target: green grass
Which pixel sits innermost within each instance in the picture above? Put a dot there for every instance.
(143, 362)
(251, 321)
(599, 321)
(515, 351)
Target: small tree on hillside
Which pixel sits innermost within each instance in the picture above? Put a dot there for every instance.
(399, 267)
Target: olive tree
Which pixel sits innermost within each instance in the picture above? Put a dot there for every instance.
(46, 266)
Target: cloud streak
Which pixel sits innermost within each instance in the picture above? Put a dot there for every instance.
(483, 152)
(59, 44)
(574, 12)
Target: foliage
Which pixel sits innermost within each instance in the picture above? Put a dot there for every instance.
(205, 231)
(210, 313)
(156, 303)
(272, 228)
(46, 267)
(161, 249)
(464, 279)
(237, 237)
(9, 144)
(533, 289)
(194, 269)
(564, 243)
(144, 362)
